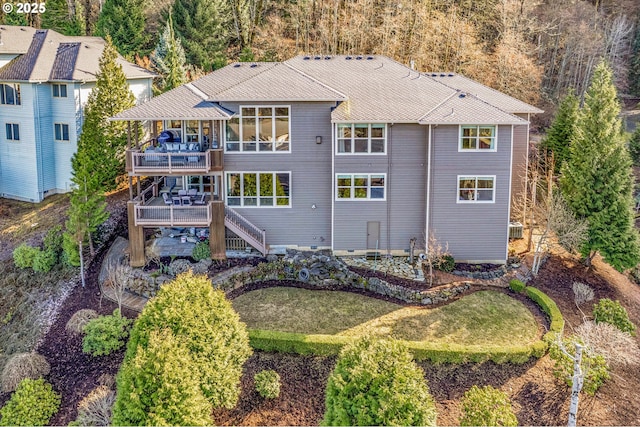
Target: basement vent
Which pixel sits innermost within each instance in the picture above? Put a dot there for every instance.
(515, 230)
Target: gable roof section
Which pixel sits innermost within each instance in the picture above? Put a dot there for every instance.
(67, 58)
(264, 81)
(490, 95)
(465, 109)
(184, 102)
(15, 39)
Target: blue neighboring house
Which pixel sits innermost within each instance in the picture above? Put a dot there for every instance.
(45, 80)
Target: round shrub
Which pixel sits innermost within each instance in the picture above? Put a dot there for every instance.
(33, 404)
(201, 251)
(446, 263)
(105, 334)
(376, 382)
(159, 386)
(20, 366)
(45, 261)
(516, 285)
(486, 406)
(79, 320)
(594, 366)
(267, 383)
(210, 330)
(24, 255)
(95, 408)
(614, 313)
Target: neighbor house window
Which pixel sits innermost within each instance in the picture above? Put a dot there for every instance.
(259, 129)
(13, 131)
(61, 131)
(476, 189)
(258, 189)
(59, 90)
(477, 138)
(10, 94)
(361, 138)
(360, 186)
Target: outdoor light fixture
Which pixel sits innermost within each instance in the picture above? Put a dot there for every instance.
(318, 139)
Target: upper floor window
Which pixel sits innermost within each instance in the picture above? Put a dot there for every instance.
(61, 131)
(361, 138)
(477, 138)
(258, 189)
(476, 189)
(365, 186)
(10, 94)
(259, 129)
(13, 131)
(59, 90)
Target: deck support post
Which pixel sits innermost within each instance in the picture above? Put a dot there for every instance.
(136, 238)
(217, 242)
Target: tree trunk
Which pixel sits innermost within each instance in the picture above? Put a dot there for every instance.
(81, 263)
(576, 387)
(589, 259)
(92, 250)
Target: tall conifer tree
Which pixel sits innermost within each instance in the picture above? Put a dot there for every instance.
(597, 181)
(561, 131)
(169, 58)
(124, 21)
(634, 62)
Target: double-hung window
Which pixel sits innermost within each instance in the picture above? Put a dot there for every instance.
(476, 189)
(361, 138)
(10, 94)
(360, 186)
(477, 138)
(61, 131)
(13, 131)
(259, 129)
(59, 90)
(258, 189)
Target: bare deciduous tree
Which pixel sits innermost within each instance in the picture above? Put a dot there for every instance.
(435, 251)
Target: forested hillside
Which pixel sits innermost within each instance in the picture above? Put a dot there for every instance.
(533, 50)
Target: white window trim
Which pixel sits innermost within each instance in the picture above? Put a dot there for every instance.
(478, 150)
(464, 202)
(360, 199)
(352, 153)
(53, 93)
(242, 205)
(18, 90)
(239, 116)
(19, 131)
(61, 132)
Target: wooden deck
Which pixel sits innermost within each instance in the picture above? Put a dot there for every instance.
(139, 163)
(156, 213)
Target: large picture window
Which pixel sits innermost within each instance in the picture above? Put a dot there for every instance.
(10, 94)
(477, 138)
(258, 189)
(361, 138)
(61, 131)
(13, 131)
(360, 186)
(476, 189)
(259, 129)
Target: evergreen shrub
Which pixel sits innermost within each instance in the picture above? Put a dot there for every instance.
(201, 251)
(24, 255)
(486, 406)
(446, 263)
(614, 313)
(45, 260)
(516, 285)
(105, 334)
(267, 383)
(594, 366)
(33, 404)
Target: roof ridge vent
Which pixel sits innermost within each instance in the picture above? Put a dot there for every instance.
(369, 58)
(236, 65)
(462, 95)
(327, 57)
(348, 58)
(450, 74)
(253, 65)
(358, 57)
(316, 58)
(306, 58)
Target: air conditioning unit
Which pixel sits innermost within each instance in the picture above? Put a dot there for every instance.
(515, 230)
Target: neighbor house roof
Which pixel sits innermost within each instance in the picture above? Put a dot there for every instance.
(364, 88)
(15, 39)
(182, 103)
(52, 56)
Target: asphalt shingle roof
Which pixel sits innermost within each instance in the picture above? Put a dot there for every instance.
(15, 39)
(466, 109)
(74, 58)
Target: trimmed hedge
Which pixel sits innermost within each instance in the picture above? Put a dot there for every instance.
(550, 308)
(517, 286)
(330, 345)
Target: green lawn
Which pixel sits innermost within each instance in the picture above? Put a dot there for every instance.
(482, 318)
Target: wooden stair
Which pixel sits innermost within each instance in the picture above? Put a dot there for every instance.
(245, 229)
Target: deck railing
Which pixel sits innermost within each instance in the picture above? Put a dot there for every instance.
(174, 162)
(173, 215)
(245, 229)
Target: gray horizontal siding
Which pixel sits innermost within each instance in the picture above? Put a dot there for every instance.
(519, 167)
(472, 232)
(402, 215)
(310, 167)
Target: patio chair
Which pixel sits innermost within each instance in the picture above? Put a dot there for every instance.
(193, 192)
(176, 200)
(200, 200)
(182, 193)
(186, 200)
(166, 199)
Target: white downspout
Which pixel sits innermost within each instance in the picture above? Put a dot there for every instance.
(426, 244)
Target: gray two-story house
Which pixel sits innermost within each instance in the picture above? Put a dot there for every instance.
(348, 153)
